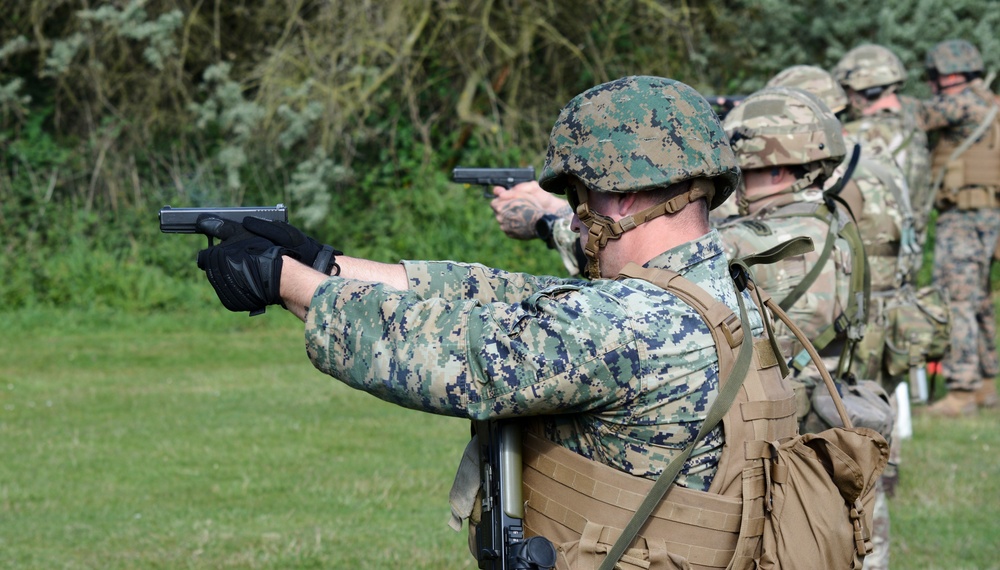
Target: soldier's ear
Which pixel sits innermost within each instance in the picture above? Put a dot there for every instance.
(626, 203)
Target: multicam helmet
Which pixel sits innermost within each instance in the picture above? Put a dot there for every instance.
(954, 56)
(815, 80)
(785, 126)
(637, 134)
(868, 66)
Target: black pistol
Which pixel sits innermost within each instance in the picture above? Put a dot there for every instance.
(490, 177)
(185, 220)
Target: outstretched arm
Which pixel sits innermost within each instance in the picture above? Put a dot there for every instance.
(519, 209)
(299, 282)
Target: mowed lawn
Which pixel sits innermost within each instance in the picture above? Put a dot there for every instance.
(209, 441)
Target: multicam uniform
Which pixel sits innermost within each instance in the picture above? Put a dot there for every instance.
(791, 127)
(869, 196)
(622, 370)
(895, 134)
(885, 225)
(968, 224)
(873, 72)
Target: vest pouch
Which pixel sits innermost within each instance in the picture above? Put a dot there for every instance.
(595, 542)
(918, 327)
(582, 507)
(867, 405)
(954, 176)
(975, 198)
(821, 499)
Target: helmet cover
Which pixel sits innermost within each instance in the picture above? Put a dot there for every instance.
(784, 126)
(954, 56)
(868, 66)
(815, 80)
(636, 134)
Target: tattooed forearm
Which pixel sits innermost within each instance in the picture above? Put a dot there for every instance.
(518, 218)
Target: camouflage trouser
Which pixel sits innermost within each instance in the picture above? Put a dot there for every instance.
(879, 558)
(962, 253)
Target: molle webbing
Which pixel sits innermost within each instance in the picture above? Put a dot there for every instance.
(855, 315)
(560, 486)
(973, 162)
(571, 498)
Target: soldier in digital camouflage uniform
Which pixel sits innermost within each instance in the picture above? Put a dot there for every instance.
(967, 170)
(884, 221)
(618, 371)
(886, 122)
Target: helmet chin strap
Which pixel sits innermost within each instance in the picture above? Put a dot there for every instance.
(602, 228)
(745, 204)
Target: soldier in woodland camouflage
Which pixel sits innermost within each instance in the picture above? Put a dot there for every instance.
(886, 122)
(619, 371)
(966, 170)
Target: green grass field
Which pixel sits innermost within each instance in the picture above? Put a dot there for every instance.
(209, 441)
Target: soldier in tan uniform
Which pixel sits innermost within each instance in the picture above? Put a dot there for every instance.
(966, 171)
(884, 221)
(886, 122)
(789, 145)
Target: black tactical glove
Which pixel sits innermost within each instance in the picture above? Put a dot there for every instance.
(244, 269)
(320, 257)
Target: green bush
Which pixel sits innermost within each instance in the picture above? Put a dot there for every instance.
(352, 114)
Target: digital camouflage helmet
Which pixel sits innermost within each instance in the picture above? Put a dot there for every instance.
(815, 80)
(637, 134)
(786, 126)
(954, 56)
(868, 66)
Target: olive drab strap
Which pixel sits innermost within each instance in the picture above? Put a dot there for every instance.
(855, 316)
(730, 387)
(795, 246)
(831, 236)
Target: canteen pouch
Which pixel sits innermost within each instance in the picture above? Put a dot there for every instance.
(918, 329)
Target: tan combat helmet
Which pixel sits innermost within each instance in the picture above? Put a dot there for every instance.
(637, 134)
(868, 66)
(815, 80)
(786, 126)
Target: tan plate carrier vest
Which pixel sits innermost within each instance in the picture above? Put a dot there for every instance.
(583, 505)
(968, 173)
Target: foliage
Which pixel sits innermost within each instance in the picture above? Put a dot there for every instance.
(354, 113)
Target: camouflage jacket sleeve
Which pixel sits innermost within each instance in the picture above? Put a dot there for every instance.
(566, 241)
(959, 114)
(453, 280)
(465, 357)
